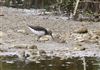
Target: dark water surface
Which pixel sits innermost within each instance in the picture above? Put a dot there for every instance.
(90, 63)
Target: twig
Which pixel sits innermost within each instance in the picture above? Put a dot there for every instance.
(75, 9)
(84, 63)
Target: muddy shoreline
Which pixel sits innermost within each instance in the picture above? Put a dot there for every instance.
(16, 38)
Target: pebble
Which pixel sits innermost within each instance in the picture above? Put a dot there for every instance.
(45, 38)
(79, 47)
(97, 32)
(1, 14)
(81, 30)
(33, 47)
(1, 34)
(21, 46)
(42, 52)
(94, 37)
(22, 31)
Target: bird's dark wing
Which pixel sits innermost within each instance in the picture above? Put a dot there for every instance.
(38, 28)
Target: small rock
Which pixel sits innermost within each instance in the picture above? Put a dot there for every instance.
(81, 30)
(33, 47)
(45, 38)
(1, 34)
(79, 47)
(21, 46)
(94, 37)
(42, 52)
(1, 14)
(97, 32)
(82, 49)
(22, 31)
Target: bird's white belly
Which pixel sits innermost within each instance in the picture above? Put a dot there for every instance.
(39, 33)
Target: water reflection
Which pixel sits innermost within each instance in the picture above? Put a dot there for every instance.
(92, 63)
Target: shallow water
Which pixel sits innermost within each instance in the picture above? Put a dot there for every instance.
(88, 63)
